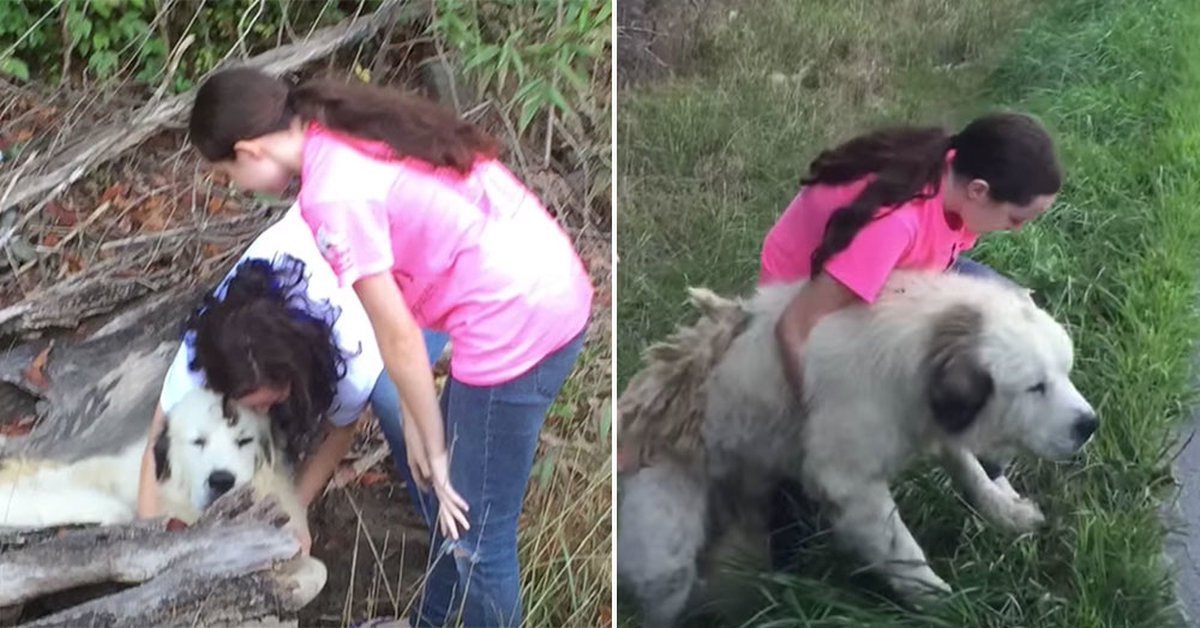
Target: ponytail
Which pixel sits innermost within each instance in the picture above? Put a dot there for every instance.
(244, 103)
(411, 126)
(907, 164)
(1011, 151)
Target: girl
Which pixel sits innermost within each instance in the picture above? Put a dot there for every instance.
(411, 207)
(279, 335)
(907, 198)
(902, 198)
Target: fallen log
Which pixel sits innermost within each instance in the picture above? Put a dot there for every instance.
(109, 284)
(63, 168)
(97, 394)
(235, 566)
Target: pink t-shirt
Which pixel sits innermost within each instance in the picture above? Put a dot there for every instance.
(477, 256)
(915, 235)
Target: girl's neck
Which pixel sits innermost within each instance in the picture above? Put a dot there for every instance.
(287, 147)
(951, 200)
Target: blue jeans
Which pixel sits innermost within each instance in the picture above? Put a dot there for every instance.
(964, 266)
(492, 433)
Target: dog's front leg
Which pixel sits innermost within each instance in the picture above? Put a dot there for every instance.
(996, 500)
(867, 522)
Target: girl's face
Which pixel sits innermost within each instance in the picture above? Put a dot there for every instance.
(266, 164)
(981, 213)
(256, 172)
(262, 398)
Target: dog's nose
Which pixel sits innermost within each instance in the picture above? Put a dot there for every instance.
(1085, 426)
(220, 482)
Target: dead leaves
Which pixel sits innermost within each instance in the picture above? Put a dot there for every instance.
(149, 214)
(36, 372)
(61, 215)
(371, 478)
(113, 192)
(21, 427)
(72, 264)
(217, 205)
(35, 375)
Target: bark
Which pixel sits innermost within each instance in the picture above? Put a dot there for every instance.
(236, 566)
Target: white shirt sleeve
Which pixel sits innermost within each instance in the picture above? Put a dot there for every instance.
(180, 380)
(352, 332)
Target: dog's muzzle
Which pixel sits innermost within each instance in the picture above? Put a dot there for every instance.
(220, 482)
(1084, 427)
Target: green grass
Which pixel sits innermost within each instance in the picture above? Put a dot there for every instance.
(709, 162)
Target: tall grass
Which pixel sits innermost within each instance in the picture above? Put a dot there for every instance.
(565, 540)
(710, 162)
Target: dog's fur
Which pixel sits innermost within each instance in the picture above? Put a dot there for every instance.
(943, 363)
(673, 385)
(209, 446)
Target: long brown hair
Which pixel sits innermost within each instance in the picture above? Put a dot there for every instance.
(244, 103)
(260, 328)
(1011, 151)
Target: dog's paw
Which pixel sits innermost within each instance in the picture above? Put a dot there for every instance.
(1006, 488)
(1014, 513)
(921, 588)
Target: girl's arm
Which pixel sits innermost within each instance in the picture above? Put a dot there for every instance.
(323, 461)
(817, 298)
(147, 499)
(402, 347)
(855, 274)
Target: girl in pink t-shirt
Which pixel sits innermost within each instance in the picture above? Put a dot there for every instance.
(902, 198)
(411, 207)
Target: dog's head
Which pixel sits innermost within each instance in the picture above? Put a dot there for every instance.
(1001, 380)
(212, 446)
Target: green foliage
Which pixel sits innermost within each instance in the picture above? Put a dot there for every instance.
(529, 52)
(108, 39)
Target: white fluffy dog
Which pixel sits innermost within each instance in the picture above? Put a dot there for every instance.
(208, 448)
(944, 363)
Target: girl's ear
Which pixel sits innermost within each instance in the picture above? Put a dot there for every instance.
(977, 189)
(248, 148)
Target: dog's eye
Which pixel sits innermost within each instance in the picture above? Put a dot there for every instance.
(1039, 388)
(199, 442)
(242, 442)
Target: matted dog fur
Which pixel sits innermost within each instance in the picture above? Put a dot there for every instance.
(942, 363)
(659, 415)
(209, 446)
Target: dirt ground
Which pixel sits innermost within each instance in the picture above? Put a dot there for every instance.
(375, 547)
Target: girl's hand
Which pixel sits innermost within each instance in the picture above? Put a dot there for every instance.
(303, 536)
(418, 458)
(818, 298)
(148, 505)
(452, 507)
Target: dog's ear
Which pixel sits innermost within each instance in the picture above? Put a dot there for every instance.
(266, 446)
(162, 462)
(958, 386)
(229, 410)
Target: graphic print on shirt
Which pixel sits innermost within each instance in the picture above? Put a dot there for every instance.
(334, 249)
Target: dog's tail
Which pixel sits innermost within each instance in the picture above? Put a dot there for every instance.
(662, 408)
